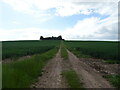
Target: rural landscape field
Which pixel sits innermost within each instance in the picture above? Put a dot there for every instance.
(52, 44)
(60, 64)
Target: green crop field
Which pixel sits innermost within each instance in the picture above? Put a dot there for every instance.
(13, 49)
(97, 49)
(21, 74)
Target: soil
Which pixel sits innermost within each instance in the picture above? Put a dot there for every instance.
(100, 66)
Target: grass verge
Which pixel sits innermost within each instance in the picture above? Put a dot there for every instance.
(72, 79)
(64, 53)
(114, 80)
(78, 53)
(20, 74)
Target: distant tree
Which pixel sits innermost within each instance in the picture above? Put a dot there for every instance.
(51, 38)
(60, 37)
(41, 37)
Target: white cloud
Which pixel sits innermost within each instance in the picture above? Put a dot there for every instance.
(90, 28)
(63, 8)
(93, 28)
(32, 6)
(15, 22)
(19, 5)
(26, 34)
(87, 29)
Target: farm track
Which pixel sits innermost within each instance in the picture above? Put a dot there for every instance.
(52, 77)
(87, 75)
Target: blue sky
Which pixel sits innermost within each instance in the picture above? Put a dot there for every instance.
(29, 19)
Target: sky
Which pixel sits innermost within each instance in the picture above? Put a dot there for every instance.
(73, 19)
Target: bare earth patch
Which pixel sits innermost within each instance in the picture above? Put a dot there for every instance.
(100, 66)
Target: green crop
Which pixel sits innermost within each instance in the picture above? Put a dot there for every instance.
(13, 49)
(97, 49)
(21, 74)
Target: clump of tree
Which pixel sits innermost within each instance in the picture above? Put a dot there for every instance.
(51, 38)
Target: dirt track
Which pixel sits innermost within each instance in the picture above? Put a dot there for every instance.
(88, 76)
(52, 77)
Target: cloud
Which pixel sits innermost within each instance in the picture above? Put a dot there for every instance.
(88, 29)
(62, 8)
(15, 22)
(26, 34)
(32, 6)
(92, 29)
